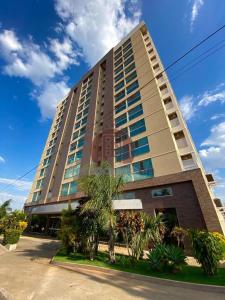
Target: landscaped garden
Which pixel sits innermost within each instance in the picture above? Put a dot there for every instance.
(96, 220)
(12, 225)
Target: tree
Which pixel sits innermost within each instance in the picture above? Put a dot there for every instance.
(5, 208)
(139, 230)
(69, 229)
(101, 188)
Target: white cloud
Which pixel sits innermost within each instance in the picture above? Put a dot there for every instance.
(188, 107)
(213, 152)
(64, 52)
(49, 96)
(28, 60)
(89, 28)
(2, 160)
(196, 6)
(21, 185)
(217, 116)
(190, 104)
(97, 25)
(212, 96)
(17, 201)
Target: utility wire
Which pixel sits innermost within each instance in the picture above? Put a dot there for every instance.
(151, 80)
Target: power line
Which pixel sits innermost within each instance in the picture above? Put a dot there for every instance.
(151, 80)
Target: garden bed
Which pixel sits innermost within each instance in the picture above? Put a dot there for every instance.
(188, 274)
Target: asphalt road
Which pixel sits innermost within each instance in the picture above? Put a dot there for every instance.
(27, 275)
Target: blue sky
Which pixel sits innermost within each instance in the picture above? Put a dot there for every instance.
(45, 47)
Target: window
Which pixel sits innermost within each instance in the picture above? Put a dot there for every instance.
(78, 155)
(143, 169)
(131, 77)
(122, 153)
(119, 86)
(125, 172)
(127, 47)
(121, 120)
(80, 142)
(118, 62)
(126, 196)
(84, 121)
(118, 56)
(128, 53)
(69, 188)
(79, 115)
(135, 112)
(132, 87)
(130, 68)
(71, 159)
(163, 192)
(72, 172)
(118, 77)
(117, 51)
(36, 196)
(140, 147)
(43, 171)
(121, 135)
(46, 161)
(120, 68)
(126, 43)
(137, 128)
(128, 61)
(39, 183)
(134, 98)
(120, 107)
(75, 135)
(73, 146)
(119, 96)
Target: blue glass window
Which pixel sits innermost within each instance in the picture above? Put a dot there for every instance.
(135, 112)
(128, 53)
(137, 127)
(72, 172)
(122, 153)
(120, 68)
(140, 147)
(143, 169)
(131, 76)
(132, 87)
(127, 47)
(120, 95)
(73, 146)
(125, 172)
(118, 77)
(121, 120)
(130, 68)
(120, 107)
(69, 188)
(80, 142)
(127, 62)
(121, 135)
(118, 62)
(119, 86)
(134, 98)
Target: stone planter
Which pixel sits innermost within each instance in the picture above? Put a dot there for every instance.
(11, 247)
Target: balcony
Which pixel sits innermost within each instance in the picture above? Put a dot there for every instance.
(210, 179)
(188, 162)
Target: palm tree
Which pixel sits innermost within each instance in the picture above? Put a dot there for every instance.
(5, 208)
(101, 188)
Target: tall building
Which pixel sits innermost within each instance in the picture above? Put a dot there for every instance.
(124, 111)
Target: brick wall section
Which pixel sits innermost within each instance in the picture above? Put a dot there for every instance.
(205, 201)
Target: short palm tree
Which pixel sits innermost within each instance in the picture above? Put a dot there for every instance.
(101, 188)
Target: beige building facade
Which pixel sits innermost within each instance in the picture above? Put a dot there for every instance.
(124, 111)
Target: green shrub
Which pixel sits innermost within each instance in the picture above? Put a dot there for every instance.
(167, 258)
(11, 236)
(207, 250)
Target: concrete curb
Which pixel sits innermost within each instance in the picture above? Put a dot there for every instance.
(150, 279)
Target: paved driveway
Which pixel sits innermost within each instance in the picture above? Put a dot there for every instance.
(26, 275)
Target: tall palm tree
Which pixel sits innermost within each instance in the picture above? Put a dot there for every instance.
(5, 208)
(101, 188)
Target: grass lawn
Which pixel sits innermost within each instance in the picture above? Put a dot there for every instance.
(188, 274)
